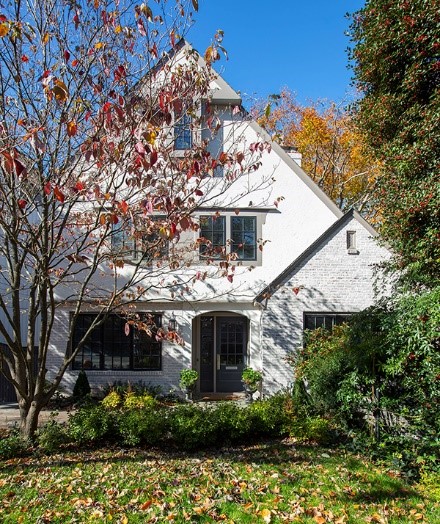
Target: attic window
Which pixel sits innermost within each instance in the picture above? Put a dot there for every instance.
(182, 132)
(351, 243)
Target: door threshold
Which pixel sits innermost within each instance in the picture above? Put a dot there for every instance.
(212, 397)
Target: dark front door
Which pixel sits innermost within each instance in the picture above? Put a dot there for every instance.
(223, 343)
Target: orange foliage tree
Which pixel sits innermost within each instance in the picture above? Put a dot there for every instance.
(334, 152)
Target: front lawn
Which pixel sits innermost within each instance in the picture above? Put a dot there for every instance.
(269, 482)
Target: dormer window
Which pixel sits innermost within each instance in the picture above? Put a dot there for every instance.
(183, 132)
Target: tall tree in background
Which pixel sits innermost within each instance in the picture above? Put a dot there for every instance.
(396, 61)
(88, 172)
(334, 151)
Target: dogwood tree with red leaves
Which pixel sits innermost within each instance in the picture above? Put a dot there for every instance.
(91, 93)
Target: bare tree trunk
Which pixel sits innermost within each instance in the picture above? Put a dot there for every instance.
(29, 414)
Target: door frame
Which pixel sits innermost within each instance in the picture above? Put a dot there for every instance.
(196, 334)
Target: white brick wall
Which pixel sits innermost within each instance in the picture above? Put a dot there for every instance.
(174, 359)
(329, 280)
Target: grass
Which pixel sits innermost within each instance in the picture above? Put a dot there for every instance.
(270, 482)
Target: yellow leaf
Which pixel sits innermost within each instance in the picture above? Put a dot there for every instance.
(99, 45)
(60, 91)
(4, 30)
(319, 520)
(45, 38)
(266, 515)
(118, 29)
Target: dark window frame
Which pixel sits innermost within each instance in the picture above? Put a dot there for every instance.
(96, 349)
(239, 246)
(138, 249)
(214, 249)
(330, 319)
(183, 139)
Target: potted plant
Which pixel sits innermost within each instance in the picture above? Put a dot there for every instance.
(188, 379)
(252, 381)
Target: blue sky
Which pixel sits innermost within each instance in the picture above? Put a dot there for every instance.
(280, 43)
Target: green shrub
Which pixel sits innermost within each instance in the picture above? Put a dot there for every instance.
(188, 379)
(315, 429)
(91, 424)
(51, 436)
(380, 375)
(193, 427)
(270, 417)
(252, 379)
(13, 446)
(234, 423)
(142, 426)
(82, 386)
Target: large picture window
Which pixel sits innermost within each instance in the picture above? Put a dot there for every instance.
(109, 347)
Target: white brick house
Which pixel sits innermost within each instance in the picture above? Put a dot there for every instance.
(256, 319)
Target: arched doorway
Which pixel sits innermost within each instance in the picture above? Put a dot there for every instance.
(221, 351)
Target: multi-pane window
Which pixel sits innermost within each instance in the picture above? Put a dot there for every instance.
(244, 237)
(324, 320)
(229, 234)
(232, 339)
(137, 245)
(108, 346)
(213, 231)
(182, 132)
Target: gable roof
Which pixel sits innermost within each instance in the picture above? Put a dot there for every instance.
(223, 94)
(291, 268)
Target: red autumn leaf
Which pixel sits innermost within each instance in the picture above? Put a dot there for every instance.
(223, 158)
(48, 188)
(141, 27)
(66, 55)
(153, 50)
(198, 192)
(76, 20)
(184, 223)
(114, 218)
(58, 194)
(24, 58)
(153, 157)
(230, 278)
(119, 73)
(123, 206)
(22, 203)
(296, 290)
(8, 162)
(19, 167)
(74, 62)
(79, 186)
